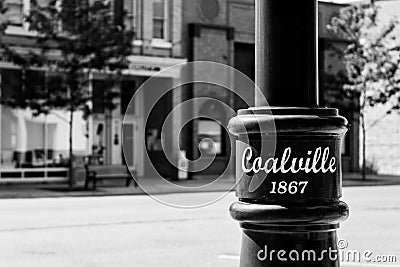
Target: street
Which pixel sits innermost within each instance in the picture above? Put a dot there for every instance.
(138, 231)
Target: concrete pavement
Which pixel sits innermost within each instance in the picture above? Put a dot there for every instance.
(137, 231)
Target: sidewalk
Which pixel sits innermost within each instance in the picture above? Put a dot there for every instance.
(115, 188)
(355, 179)
(153, 186)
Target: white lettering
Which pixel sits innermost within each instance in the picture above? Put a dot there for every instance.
(317, 161)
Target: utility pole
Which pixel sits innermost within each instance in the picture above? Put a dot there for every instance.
(291, 218)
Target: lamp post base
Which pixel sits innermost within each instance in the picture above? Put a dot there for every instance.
(289, 186)
(277, 236)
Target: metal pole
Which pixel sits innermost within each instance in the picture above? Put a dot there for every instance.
(286, 52)
(1, 129)
(290, 218)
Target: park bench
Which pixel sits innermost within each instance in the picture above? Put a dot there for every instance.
(103, 172)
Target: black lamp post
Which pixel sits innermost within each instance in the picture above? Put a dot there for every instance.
(292, 217)
(286, 52)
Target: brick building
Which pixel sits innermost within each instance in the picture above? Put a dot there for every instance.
(223, 31)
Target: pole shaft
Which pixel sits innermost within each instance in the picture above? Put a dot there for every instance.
(286, 52)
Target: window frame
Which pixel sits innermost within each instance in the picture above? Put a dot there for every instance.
(165, 19)
(23, 28)
(132, 17)
(23, 6)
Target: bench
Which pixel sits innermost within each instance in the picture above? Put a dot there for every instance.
(102, 172)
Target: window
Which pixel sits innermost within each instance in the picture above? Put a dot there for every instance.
(11, 83)
(15, 12)
(131, 18)
(27, 141)
(17, 9)
(18, 86)
(160, 19)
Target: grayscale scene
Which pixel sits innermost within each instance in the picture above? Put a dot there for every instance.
(251, 133)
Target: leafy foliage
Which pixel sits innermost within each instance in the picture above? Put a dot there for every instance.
(73, 39)
(372, 60)
(372, 56)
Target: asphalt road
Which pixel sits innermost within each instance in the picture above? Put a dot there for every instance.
(138, 231)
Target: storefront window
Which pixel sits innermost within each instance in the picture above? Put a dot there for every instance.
(34, 146)
(28, 141)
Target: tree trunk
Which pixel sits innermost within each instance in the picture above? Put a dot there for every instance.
(71, 155)
(364, 155)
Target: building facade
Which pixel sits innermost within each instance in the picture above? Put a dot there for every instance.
(167, 33)
(223, 31)
(36, 148)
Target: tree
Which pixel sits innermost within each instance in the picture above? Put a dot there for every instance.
(74, 38)
(371, 60)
